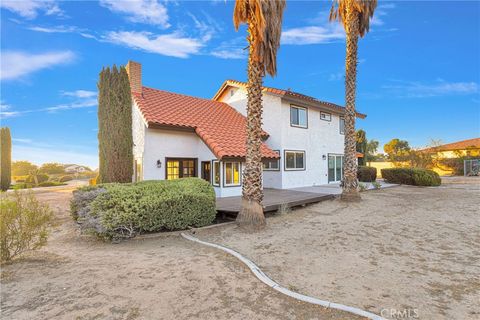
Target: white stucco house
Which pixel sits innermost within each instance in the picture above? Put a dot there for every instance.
(179, 136)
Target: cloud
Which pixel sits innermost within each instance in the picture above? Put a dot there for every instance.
(17, 64)
(80, 93)
(55, 29)
(30, 9)
(232, 49)
(74, 105)
(313, 34)
(22, 140)
(143, 11)
(173, 44)
(380, 13)
(336, 76)
(436, 89)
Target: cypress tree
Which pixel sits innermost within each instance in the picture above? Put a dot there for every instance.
(5, 159)
(115, 141)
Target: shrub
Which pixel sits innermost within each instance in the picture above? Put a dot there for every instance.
(411, 176)
(65, 178)
(123, 210)
(92, 181)
(24, 224)
(23, 185)
(51, 184)
(41, 177)
(376, 185)
(362, 187)
(20, 178)
(366, 174)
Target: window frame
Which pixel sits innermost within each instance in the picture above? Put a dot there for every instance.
(229, 185)
(219, 173)
(340, 125)
(325, 119)
(295, 151)
(180, 166)
(278, 163)
(293, 106)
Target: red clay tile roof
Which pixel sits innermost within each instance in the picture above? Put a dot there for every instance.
(220, 126)
(459, 145)
(287, 94)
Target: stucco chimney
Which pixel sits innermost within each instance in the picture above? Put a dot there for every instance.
(134, 70)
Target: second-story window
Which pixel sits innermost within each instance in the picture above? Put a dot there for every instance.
(342, 125)
(298, 116)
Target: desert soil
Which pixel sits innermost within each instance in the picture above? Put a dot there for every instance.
(78, 277)
(401, 251)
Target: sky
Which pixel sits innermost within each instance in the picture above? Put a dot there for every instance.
(418, 71)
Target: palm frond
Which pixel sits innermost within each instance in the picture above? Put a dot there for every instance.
(364, 9)
(264, 19)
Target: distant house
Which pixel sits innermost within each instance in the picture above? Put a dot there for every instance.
(470, 147)
(75, 168)
(179, 136)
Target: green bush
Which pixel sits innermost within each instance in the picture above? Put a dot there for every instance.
(23, 225)
(411, 176)
(366, 174)
(65, 178)
(24, 185)
(41, 177)
(124, 210)
(51, 184)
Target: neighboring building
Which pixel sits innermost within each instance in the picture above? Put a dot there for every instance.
(470, 147)
(179, 136)
(75, 168)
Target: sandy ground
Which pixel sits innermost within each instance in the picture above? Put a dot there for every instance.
(78, 277)
(403, 250)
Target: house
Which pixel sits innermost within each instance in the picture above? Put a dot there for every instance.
(179, 136)
(470, 147)
(75, 168)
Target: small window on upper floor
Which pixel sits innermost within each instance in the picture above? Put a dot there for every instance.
(298, 116)
(325, 116)
(342, 125)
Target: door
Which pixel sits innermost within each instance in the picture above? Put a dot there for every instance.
(180, 168)
(206, 170)
(335, 168)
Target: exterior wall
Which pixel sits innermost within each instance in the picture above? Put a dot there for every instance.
(160, 144)
(319, 139)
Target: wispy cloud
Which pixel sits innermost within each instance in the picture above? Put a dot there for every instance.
(173, 44)
(80, 94)
(144, 11)
(17, 64)
(337, 76)
(232, 49)
(438, 88)
(313, 35)
(74, 105)
(380, 13)
(30, 9)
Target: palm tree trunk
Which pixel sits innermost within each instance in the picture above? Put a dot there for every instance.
(251, 214)
(350, 183)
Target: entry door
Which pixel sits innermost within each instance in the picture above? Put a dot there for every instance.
(335, 167)
(206, 170)
(181, 168)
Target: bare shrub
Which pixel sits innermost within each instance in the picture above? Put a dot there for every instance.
(24, 224)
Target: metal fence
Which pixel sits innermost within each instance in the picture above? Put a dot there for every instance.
(471, 167)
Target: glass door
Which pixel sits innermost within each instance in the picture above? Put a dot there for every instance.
(335, 168)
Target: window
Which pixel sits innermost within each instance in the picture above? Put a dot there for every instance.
(294, 160)
(232, 174)
(272, 164)
(298, 117)
(325, 116)
(216, 173)
(180, 168)
(342, 125)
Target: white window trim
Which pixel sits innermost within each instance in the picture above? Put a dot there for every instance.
(339, 125)
(225, 184)
(295, 160)
(213, 173)
(306, 114)
(329, 118)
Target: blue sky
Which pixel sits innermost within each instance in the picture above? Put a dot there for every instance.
(418, 73)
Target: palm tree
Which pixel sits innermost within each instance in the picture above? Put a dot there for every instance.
(355, 16)
(264, 27)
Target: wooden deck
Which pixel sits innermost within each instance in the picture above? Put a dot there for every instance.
(273, 199)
